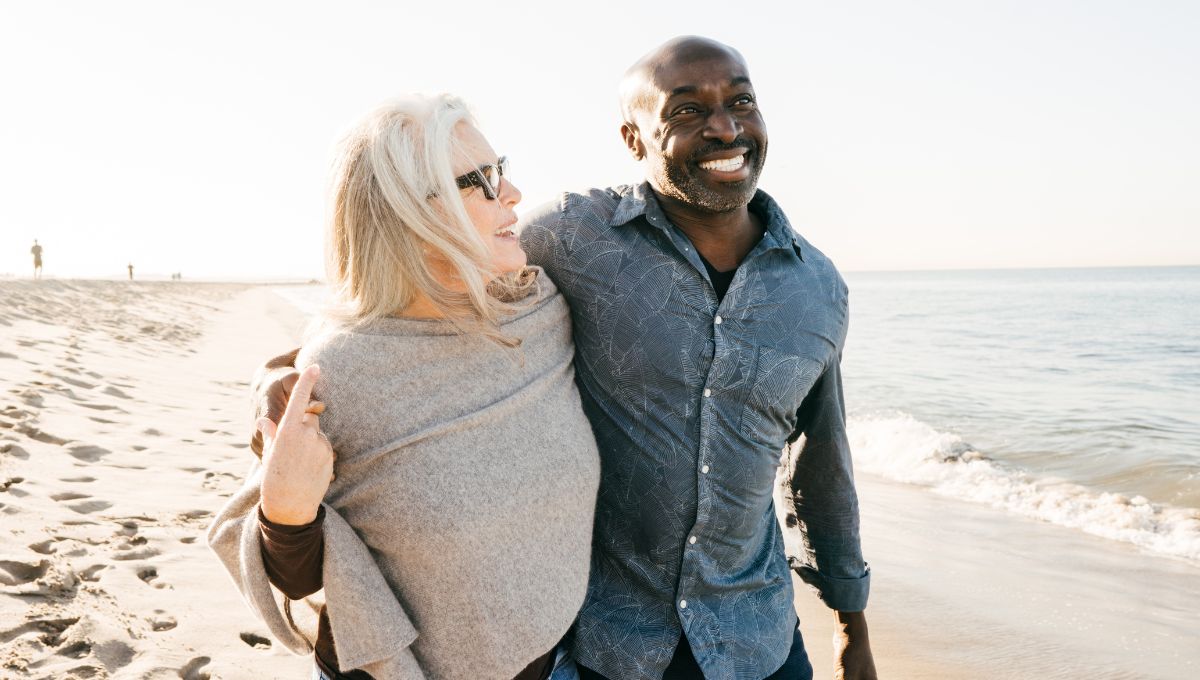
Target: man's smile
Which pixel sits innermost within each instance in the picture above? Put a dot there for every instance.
(727, 168)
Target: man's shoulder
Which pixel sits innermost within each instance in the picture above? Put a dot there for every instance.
(571, 209)
(822, 267)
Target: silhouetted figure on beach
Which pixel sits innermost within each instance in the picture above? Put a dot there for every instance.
(37, 259)
(130, 271)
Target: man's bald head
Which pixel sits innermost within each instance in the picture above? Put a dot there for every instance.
(637, 93)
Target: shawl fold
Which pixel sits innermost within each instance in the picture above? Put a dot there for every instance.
(353, 583)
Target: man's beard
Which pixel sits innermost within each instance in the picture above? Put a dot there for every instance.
(682, 182)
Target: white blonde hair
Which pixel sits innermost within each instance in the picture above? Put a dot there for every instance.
(397, 220)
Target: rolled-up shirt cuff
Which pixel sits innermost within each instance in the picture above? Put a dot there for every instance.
(838, 593)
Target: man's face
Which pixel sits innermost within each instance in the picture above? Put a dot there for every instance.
(701, 132)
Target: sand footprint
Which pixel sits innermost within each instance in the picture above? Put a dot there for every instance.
(116, 392)
(32, 398)
(92, 573)
(99, 407)
(19, 573)
(84, 507)
(68, 496)
(38, 435)
(50, 630)
(161, 621)
(75, 383)
(193, 670)
(255, 641)
(14, 451)
(46, 547)
(89, 453)
(149, 575)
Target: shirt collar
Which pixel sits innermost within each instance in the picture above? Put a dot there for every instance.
(639, 201)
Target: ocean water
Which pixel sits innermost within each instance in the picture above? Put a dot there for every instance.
(1070, 396)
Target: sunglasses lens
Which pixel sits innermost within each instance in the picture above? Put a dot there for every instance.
(491, 174)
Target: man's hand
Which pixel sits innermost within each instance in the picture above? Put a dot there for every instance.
(272, 385)
(852, 658)
(297, 460)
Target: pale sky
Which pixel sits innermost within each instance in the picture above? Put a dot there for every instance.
(196, 136)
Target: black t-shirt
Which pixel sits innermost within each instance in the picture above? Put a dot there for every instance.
(720, 280)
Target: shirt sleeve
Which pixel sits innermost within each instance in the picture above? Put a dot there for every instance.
(293, 555)
(824, 502)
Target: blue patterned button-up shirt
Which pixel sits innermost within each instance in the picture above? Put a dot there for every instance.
(693, 400)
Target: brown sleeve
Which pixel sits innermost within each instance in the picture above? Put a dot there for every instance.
(293, 555)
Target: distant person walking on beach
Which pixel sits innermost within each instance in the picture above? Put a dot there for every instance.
(130, 271)
(37, 259)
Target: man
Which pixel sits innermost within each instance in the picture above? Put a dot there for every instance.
(708, 336)
(36, 250)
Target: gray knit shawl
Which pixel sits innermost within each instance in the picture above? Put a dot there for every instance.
(458, 530)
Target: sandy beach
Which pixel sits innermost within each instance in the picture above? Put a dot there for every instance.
(122, 430)
(123, 420)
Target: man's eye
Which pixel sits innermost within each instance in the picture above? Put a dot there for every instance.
(686, 110)
(744, 100)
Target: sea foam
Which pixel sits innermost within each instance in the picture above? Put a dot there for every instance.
(902, 448)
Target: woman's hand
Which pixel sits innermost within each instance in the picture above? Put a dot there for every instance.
(297, 458)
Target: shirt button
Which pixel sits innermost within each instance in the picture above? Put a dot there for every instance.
(718, 320)
(692, 540)
(683, 604)
(707, 392)
(704, 469)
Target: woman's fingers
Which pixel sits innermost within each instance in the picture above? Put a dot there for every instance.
(267, 429)
(300, 398)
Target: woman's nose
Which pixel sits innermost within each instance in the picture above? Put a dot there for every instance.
(510, 195)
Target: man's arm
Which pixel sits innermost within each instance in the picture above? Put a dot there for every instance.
(540, 232)
(270, 388)
(825, 509)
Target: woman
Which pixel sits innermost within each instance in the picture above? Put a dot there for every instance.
(451, 536)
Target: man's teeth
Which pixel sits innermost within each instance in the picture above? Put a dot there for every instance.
(725, 165)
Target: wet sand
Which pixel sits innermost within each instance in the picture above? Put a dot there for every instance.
(966, 591)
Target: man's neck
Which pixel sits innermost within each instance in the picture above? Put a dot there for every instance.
(722, 238)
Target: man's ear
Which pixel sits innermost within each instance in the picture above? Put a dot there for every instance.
(633, 140)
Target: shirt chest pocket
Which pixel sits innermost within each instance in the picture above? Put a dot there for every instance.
(777, 387)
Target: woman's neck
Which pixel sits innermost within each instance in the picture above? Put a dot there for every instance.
(422, 308)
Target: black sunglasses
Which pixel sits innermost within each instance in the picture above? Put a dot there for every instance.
(486, 177)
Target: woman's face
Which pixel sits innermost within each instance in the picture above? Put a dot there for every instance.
(494, 219)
